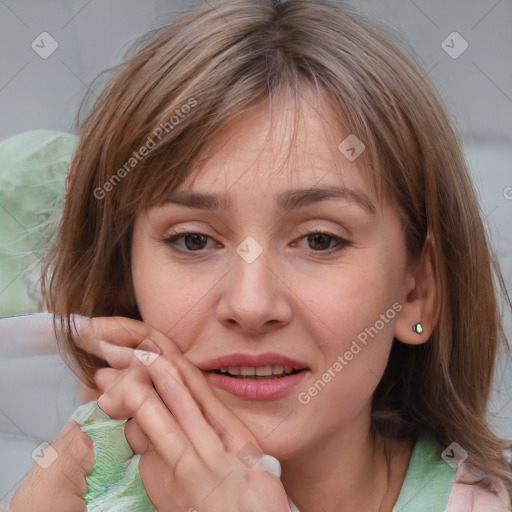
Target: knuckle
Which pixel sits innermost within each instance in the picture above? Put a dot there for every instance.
(75, 448)
(83, 450)
(105, 379)
(68, 435)
(180, 364)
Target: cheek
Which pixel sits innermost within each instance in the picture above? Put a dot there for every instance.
(351, 368)
(353, 330)
(355, 303)
(169, 298)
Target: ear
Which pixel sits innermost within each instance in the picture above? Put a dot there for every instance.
(420, 299)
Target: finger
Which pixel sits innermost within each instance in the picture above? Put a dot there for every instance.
(106, 378)
(231, 430)
(120, 331)
(172, 394)
(132, 333)
(204, 418)
(185, 409)
(116, 356)
(165, 435)
(138, 441)
(134, 396)
(76, 445)
(114, 339)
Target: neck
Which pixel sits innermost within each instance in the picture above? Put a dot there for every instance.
(347, 471)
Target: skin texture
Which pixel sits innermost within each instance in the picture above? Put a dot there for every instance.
(60, 486)
(293, 299)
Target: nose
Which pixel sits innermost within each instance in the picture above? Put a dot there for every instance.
(255, 299)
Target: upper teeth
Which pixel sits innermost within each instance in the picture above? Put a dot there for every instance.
(258, 370)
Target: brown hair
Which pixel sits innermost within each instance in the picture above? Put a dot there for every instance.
(220, 60)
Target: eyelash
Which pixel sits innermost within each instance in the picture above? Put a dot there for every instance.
(341, 242)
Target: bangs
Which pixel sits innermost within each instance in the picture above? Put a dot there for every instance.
(181, 150)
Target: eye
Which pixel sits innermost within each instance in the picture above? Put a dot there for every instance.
(194, 242)
(319, 241)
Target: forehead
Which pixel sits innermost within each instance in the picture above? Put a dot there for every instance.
(280, 146)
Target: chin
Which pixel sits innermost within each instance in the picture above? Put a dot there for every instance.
(270, 425)
(283, 453)
(281, 445)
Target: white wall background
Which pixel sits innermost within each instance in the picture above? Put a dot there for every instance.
(92, 35)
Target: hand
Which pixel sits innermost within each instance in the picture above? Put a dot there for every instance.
(188, 439)
(60, 486)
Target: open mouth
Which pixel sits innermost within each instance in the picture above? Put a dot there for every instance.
(268, 372)
(265, 376)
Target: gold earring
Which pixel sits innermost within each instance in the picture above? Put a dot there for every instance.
(417, 328)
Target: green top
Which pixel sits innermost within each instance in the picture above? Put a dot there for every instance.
(114, 484)
(429, 480)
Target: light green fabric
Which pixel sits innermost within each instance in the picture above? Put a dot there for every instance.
(428, 482)
(114, 484)
(32, 184)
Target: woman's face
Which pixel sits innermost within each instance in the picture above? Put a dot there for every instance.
(250, 287)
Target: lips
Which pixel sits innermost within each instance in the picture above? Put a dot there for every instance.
(255, 377)
(252, 360)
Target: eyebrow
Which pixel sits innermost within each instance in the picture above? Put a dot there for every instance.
(289, 200)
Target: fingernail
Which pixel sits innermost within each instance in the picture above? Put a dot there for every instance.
(113, 350)
(271, 464)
